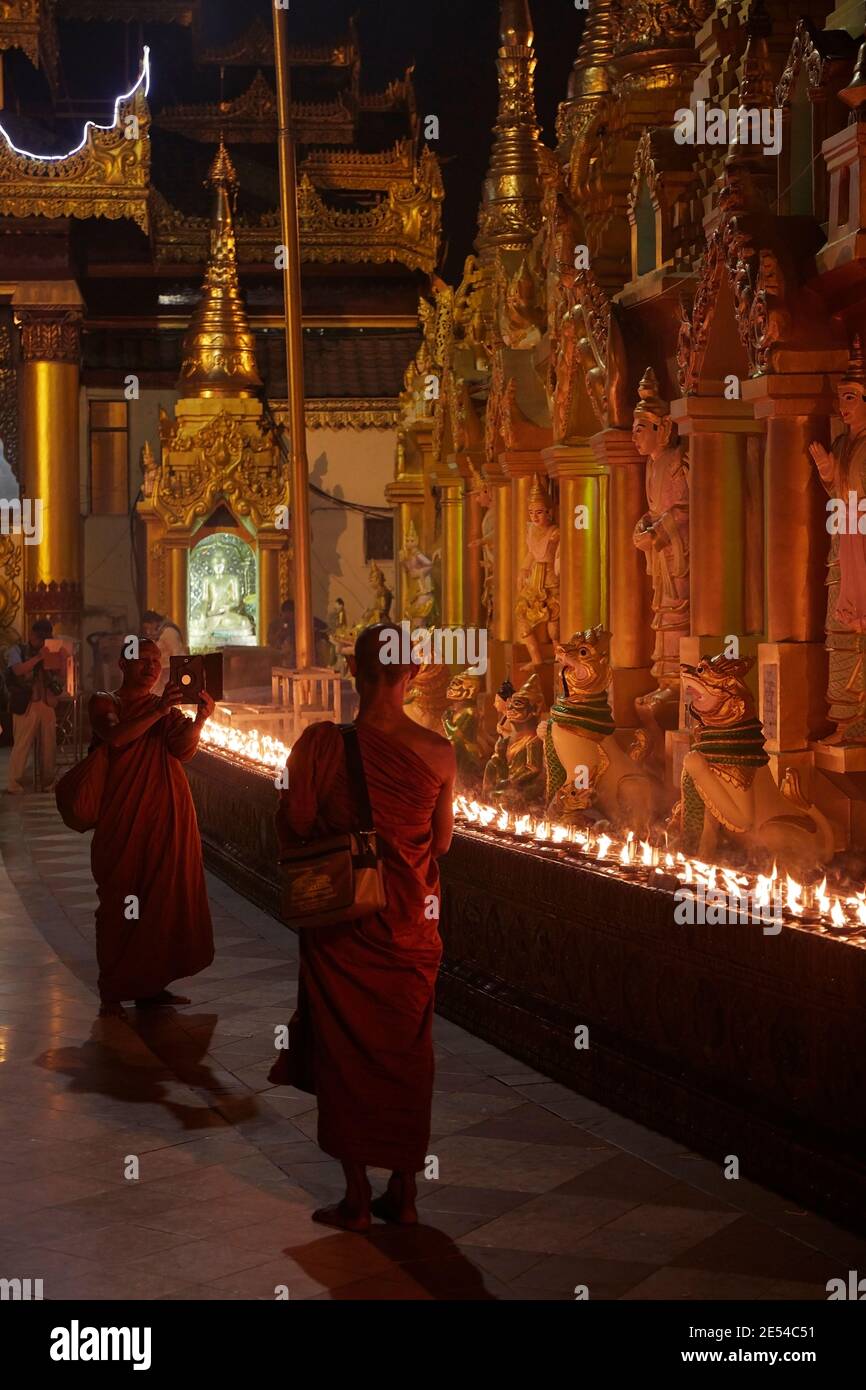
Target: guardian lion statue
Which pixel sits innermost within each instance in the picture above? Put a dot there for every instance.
(726, 786)
(590, 777)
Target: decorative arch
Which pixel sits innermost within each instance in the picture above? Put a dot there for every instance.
(818, 66)
(662, 192)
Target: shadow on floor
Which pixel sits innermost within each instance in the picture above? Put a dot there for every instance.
(108, 1064)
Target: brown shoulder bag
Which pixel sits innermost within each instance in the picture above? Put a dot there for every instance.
(337, 878)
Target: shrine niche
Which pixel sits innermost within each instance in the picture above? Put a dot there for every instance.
(216, 504)
(222, 604)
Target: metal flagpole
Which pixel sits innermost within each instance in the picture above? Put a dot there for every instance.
(303, 596)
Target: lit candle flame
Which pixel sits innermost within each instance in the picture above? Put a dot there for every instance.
(793, 890)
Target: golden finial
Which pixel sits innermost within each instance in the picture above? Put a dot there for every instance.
(515, 24)
(477, 481)
(219, 348)
(590, 76)
(510, 212)
(757, 88)
(649, 401)
(539, 493)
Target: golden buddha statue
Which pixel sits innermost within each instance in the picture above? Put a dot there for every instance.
(380, 611)
(843, 472)
(537, 603)
(221, 616)
(515, 774)
(341, 634)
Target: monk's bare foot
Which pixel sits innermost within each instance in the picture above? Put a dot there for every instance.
(399, 1213)
(112, 1008)
(161, 1000)
(344, 1217)
(397, 1203)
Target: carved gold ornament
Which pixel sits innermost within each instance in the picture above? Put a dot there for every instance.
(107, 176)
(222, 460)
(11, 563)
(29, 25)
(404, 226)
(50, 335)
(641, 24)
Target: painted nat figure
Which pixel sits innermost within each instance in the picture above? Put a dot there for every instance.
(590, 777)
(726, 786)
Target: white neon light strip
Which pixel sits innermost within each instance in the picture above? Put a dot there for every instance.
(144, 77)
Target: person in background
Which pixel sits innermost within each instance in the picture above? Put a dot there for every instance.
(361, 1040)
(281, 636)
(168, 637)
(35, 681)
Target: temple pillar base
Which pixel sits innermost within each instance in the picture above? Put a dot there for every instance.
(839, 790)
(792, 680)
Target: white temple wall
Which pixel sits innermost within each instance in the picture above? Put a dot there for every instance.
(356, 465)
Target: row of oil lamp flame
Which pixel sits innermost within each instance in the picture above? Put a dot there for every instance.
(811, 905)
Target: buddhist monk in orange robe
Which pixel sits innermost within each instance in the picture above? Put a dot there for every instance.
(361, 1039)
(153, 922)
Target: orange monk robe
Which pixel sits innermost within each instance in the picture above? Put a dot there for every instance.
(146, 844)
(361, 1039)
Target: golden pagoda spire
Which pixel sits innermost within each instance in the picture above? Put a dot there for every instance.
(511, 200)
(590, 76)
(757, 88)
(219, 349)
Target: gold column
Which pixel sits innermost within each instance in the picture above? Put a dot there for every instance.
(630, 606)
(504, 556)
(49, 317)
(406, 495)
(716, 510)
(303, 584)
(796, 529)
(792, 661)
(178, 584)
(519, 468)
(720, 511)
(269, 548)
(451, 495)
(582, 550)
(473, 578)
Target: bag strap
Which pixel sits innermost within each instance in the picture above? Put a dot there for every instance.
(357, 776)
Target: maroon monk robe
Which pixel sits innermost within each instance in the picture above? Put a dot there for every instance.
(361, 1039)
(146, 843)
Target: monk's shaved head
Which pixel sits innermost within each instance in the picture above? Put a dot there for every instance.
(374, 648)
(146, 647)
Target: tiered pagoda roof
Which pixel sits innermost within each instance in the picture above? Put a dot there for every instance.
(369, 193)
